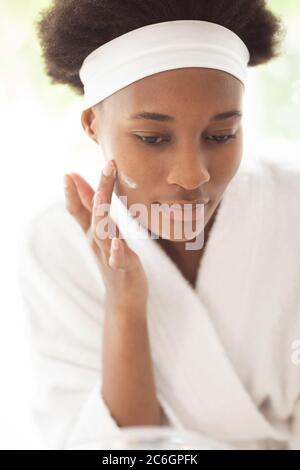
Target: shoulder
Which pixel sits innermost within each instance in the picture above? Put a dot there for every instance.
(284, 172)
(55, 247)
(272, 182)
(51, 229)
(280, 169)
(282, 190)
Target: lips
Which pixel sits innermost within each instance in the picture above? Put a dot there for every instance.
(183, 204)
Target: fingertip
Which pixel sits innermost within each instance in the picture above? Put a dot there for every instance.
(114, 164)
(73, 178)
(67, 181)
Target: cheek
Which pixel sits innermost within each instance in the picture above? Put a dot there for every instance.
(224, 165)
(137, 170)
(134, 179)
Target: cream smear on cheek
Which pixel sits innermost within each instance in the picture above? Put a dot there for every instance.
(130, 183)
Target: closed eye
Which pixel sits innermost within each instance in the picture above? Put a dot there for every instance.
(221, 139)
(142, 137)
(218, 139)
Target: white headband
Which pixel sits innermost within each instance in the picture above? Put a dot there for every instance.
(158, 47)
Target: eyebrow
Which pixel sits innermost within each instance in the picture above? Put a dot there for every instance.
(166, 118)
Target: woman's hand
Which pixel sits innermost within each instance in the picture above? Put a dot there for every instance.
(122, 272)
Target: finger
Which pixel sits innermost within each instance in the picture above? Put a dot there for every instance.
(115, 251)
(106, 184)
(101, 206)
(85, 191)
(101, 222)
(74, 204)
(108, 178)
(117, 255)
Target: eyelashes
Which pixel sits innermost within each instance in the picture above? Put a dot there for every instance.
(149, 137)
(218, 139)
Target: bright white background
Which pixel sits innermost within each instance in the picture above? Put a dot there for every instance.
(42, 138)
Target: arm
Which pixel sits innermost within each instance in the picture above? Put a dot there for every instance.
(65, 311)
(128, 382)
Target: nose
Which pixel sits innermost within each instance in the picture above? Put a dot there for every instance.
(190, 173)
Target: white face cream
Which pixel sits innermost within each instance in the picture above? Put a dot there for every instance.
(128, 181)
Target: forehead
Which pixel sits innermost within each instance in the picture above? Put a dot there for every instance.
(186, 87)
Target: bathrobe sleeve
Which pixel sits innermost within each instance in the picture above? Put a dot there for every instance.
(63, 302)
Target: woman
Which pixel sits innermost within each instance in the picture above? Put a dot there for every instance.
(194, 331)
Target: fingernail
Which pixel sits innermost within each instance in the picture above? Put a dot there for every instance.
(109, 168)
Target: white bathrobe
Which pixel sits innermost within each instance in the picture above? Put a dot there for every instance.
(226, 355)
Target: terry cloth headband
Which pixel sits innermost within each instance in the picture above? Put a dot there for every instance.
(158, 47)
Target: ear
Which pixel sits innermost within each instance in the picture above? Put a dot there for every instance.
(88, 122)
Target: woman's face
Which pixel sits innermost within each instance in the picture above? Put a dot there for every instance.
(168, 144)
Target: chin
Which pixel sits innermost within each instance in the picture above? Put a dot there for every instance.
(179, 232)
